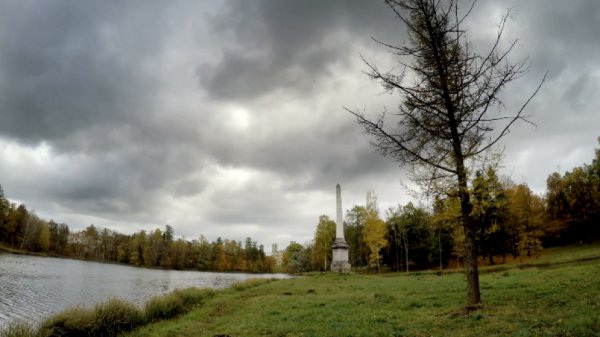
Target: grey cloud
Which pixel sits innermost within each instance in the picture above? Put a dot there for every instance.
(578, 93)
(559, 37)
(68, 67)
(287, 45)
(85, 79)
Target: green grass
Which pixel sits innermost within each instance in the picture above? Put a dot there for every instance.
(569, 254)
(555, 295)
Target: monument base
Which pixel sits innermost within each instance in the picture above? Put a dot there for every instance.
(339, 263)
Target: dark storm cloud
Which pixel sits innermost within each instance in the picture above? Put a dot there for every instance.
(559, 40)
(561, 36)
(70, 66)
(577, 94)
(85, 78)
(288, 45)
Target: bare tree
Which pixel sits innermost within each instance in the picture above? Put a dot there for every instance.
(451, 113)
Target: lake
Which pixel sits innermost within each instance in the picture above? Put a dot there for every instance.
(33, 288)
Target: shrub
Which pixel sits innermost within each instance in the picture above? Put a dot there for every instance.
(105, 319)
(71, 322)
(193, 296)
(163, 307)
(116, 316)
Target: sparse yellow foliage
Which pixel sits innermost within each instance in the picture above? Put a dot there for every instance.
(374, 232)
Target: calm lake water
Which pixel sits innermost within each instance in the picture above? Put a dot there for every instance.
(33, 288)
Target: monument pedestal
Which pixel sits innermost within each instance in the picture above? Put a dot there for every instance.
(339, 262)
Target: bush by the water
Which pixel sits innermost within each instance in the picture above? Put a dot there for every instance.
(193, 296)
(164, 307)
(112, 317)
(106, 319)
(71, 322)
(115, 316)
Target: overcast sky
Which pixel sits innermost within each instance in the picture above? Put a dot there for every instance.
(225, 118)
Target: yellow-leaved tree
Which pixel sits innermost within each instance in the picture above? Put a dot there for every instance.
(374, 232)
(526, 213)
(324, 236)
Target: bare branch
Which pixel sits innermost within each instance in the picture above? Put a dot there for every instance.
(515, 118)
(376, 129)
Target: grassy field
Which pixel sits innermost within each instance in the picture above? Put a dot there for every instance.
(555, 295)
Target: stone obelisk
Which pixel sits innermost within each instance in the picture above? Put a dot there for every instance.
(340, 247)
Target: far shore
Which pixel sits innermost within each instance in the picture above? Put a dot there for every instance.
(4, 249)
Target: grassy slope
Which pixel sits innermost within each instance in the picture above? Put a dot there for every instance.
(554, 300)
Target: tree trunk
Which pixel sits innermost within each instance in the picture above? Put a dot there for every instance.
(26, 234)
(440, 246)
(377, 259)
(470, 228)
(406, 249)
(441, 63)
(473, 295)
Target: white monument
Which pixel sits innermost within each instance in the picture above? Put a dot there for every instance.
(340, 247)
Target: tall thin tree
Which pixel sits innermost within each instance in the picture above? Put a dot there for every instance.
(451, 113)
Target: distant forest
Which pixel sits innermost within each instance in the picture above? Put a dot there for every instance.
(23, 230)
(512, 222)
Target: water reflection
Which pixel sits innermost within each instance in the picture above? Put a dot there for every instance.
(35, 287)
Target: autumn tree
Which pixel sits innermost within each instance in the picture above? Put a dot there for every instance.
(4, 211)
(136, 248)
(324, 236)
(490, 211)
(295, 259)
(218, 255)
(178, 257)
(451, 114)
(573, 204)
(60, 239)
(526, 212)
(43, 237)
(203, 252)
(411, 225)
(557, 208)
(444, 223)
(353, 232)
(375, 231)
(27, 232)
(446, 213)
(15, 225)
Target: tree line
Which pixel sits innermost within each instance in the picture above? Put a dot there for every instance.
(23, 230)
(512, 221)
